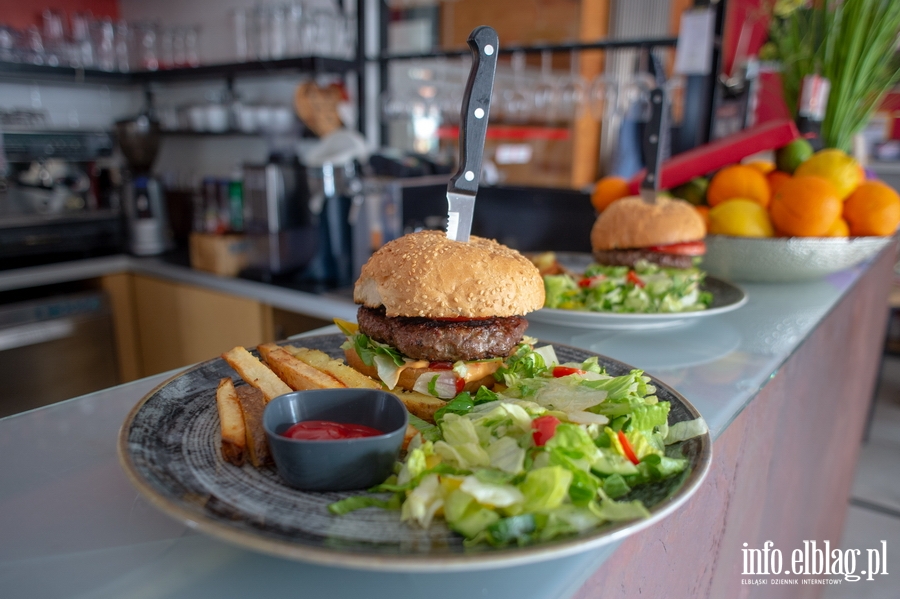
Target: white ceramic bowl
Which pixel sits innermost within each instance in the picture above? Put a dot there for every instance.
(786, 259)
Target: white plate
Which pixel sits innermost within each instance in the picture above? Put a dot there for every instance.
(726, 297)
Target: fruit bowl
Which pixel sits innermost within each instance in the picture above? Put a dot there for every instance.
(786, 259)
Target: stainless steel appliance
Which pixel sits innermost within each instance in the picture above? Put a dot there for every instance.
(55, 348)
(57, 197)
(277, 218)
(144, 196)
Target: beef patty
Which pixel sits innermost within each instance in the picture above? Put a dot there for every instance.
(631, 256)
(443, 340)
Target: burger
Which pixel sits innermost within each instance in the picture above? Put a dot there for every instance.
(440, 316)
(668, 233)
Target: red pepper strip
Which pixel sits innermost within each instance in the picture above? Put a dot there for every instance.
(560, 371)
(589, 281)
(632, 277)
(626, 447)
(544, 428)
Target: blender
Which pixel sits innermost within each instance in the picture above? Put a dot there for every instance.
(144, 196)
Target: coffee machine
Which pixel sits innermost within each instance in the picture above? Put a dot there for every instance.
(143, 194)
(58, 195)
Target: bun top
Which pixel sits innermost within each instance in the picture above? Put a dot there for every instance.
(426, 274)
(633, 223)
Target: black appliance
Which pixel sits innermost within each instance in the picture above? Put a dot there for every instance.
(59, 198)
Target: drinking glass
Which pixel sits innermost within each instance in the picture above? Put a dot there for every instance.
(240, 30)
(123, 40)
(83, 48)
(147, 46)
(192, 46)
(103, 39)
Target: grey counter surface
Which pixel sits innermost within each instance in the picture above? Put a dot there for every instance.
(72, 525)
(325, 306)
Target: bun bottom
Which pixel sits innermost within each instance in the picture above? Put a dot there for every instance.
(409, 376)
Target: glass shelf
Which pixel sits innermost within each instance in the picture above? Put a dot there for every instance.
(306, 64)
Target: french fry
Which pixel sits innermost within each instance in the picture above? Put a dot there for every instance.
(252, 403)
(297, 374)
(231, 423)
(419, 404)
(256, 373)
(411, 432)
(336, 368)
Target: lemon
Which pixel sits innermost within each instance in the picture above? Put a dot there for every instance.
(836, 166)
(740, 217)
(789, 157)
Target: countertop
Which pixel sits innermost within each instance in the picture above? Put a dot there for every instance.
(320, 302)
(73, 526)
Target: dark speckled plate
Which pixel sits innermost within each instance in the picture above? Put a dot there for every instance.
(169, 448)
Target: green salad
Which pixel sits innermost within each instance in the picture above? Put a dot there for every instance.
(557, 451)
(646, 288)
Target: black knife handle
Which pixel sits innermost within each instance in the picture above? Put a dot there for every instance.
(476, 107)
(655, 137)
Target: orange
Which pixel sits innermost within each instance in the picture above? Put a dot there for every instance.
(763, 166)
(776, 178)
(738, 181)
(838, 229)
(873, 209)
(805, 206)
(837, 166)
(608, 190)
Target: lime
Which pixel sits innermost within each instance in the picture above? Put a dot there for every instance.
(694, 191)
(789, 157)
(740, 217)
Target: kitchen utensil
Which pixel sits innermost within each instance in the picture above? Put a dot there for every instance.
(655, 143)
(473, 122)
(714, 155)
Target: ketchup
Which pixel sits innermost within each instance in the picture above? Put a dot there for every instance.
(326, 430)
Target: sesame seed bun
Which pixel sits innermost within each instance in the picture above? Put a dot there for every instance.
(633, 223)
(426, 274)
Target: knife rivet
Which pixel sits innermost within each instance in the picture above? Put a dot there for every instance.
(469, 175)
(489, 50)
(479, 113)
(650, 177)
(654, 138)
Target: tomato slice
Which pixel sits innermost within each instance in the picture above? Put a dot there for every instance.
(632, 277)
(626, 447)
(687, 248)
(440, 365)
(460, 385)
(559, 371)
(544, 429)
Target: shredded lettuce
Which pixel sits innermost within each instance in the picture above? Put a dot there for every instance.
(480, 467)
(611, 289)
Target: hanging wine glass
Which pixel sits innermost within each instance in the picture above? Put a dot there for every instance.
(544, 90)
(571, 93)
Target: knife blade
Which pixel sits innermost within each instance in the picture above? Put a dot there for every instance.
(655, 143)
(473, 121)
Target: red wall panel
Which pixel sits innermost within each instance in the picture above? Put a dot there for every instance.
(22, 14)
